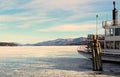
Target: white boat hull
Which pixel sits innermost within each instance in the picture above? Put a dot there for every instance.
(105, 56)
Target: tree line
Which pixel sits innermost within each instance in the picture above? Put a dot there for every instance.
(7, 44)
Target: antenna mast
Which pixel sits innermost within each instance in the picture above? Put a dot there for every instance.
(96, 25)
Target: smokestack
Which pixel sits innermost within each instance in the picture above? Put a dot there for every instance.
(115, 14)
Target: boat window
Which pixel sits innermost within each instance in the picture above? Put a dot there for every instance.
(117, 31)
(110, 45)
(117, 45)
(109, 32)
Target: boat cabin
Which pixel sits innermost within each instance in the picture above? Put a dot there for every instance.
(112, 31)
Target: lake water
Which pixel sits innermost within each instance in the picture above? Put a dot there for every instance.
(47, 61)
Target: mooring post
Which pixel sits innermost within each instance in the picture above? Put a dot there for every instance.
(96, 55)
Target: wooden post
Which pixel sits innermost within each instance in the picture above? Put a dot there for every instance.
(96, 55)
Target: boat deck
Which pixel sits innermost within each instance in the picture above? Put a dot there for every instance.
(107, 55)
(111, 51)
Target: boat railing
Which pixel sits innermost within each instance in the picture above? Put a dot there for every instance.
(109, 23)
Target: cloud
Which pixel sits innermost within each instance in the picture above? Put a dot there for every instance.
(69, 28)
(24, 21)
(3, 26)
(46, 6)
(43, 6)
(11, 18)
(20, 38)
(35, 22)
(37, 11)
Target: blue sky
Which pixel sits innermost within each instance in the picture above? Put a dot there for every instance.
(31, 21)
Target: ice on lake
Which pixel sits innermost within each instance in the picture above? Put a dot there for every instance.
(46, 61)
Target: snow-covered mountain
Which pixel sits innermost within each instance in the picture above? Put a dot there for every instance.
(59, 42)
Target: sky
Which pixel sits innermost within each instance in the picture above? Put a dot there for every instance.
(32, 21)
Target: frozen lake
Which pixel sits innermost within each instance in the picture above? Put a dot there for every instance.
(48, 61)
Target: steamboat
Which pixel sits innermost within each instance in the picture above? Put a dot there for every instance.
(110, 41)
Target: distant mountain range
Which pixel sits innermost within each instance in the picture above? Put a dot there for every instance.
(60, 42)
(57, 42)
